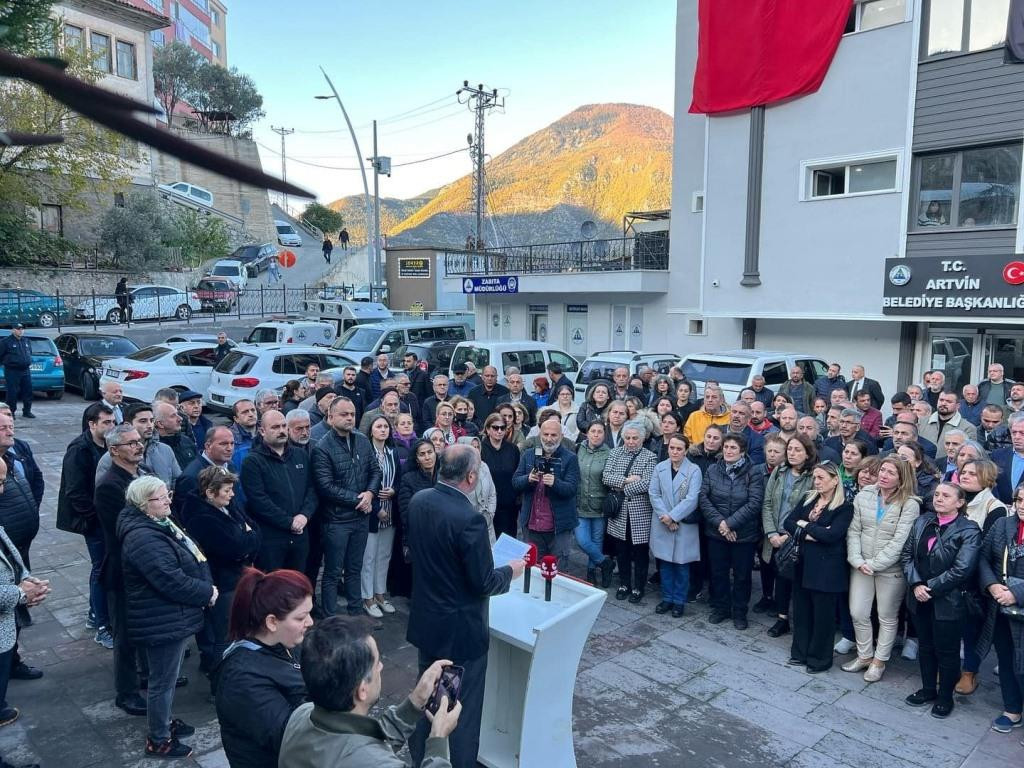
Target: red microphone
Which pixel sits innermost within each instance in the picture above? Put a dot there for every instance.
(548, 569)
(530, 558)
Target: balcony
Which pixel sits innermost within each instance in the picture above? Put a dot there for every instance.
(640, 261)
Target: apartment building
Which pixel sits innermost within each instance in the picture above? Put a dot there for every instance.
(201, 24)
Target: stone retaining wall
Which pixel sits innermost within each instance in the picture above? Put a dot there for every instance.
(84, 281)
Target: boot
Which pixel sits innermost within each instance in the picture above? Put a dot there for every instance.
(592, 576)
(968, 684)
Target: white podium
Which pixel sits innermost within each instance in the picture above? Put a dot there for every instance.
(534, 652)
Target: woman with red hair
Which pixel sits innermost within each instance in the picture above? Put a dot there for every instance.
(259, 682)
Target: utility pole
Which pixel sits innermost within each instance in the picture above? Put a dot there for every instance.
(480, 101)
(284, 160)
(380, 165)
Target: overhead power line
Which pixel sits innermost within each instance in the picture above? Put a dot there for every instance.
(356, 168)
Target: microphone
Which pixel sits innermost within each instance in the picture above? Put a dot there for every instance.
(548, 569)
(530, 558)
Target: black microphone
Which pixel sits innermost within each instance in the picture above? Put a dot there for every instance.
(530, 559)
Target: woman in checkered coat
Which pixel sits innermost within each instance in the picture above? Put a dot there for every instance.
(629, 468)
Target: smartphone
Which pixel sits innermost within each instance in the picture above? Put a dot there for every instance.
(448, 684)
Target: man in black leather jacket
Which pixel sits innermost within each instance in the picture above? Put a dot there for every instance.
(347, 477)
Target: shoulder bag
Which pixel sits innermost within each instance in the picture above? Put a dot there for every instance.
(787, 556)
(1010, 611)
(613, 500)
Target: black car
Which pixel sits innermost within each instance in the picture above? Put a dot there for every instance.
(255, 257)
(433, 355)
(84, 354)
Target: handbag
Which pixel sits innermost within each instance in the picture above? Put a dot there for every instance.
(786, 558)
(614, 498)
(1011, 611)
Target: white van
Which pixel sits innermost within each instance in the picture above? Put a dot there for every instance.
(292, 331)
(530, 357)
(286, 234)
(233, 270)
(373, 338)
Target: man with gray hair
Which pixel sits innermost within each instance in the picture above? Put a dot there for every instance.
(167, 422)
(267, 400)
(517, 393)
(323, 380)
(1010, 461)
(158, 458)
(849, 430)
(547, 478)
(808, 427)
(739, 424)
(453, 578)
(952, 442)
(299, 429)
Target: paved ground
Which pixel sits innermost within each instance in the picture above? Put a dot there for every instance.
(652, 691)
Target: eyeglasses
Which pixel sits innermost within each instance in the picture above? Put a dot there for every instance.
(131, 443)
(497, 427)
(827, 464)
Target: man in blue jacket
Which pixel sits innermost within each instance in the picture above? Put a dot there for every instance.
(16, 358)
(547, 478)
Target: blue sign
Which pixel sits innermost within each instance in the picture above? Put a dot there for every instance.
(505, 284)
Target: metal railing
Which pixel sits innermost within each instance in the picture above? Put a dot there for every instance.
(644, 251)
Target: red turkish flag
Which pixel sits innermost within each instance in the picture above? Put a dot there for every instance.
(754, 52)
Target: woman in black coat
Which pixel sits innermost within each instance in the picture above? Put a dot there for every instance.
(420, 473)
(167, 586)
(820, 524)
(502, 459)
(939, 559)
(229, 540)
(259, 683)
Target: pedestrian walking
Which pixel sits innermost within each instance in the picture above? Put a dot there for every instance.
(16, 358)
(274, 269)
(327, 248)
(343, 239)
(123, 298)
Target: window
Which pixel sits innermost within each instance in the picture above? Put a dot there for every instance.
(528, 363)
(962, 26)
(74, 38)
(157, 37)
(215, 17)
(569, 364)
(192, 24)
(697, 202)
(51, 219)
(970, 188)
(126, 60)
(100, 45)
(869, 175)
(872, 14)
(216, 49)
(775, 373)
(236, 364)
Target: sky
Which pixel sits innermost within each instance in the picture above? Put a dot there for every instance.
(401, 62)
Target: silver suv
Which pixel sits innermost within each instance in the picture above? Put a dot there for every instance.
(601, 365)
(736, 368)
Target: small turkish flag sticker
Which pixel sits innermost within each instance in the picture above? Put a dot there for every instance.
(1013, 273)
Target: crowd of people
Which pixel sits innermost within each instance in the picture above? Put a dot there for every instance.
(322, 503)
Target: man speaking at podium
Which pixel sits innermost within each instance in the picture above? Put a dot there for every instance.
(453, 577)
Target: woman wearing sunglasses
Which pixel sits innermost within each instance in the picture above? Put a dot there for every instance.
(820, 523)
(502, 459)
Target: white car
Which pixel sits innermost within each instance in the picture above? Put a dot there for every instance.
(181, 366)
(233, 271)
(148, 302)
(249, 368)
(190, 192)
(286, 234)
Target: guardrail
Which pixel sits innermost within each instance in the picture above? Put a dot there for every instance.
(644, 251)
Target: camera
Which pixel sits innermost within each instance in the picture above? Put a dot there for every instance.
(544, 465)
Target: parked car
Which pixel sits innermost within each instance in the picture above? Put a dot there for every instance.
(84, 355)
(292, 331)
(255, 257)
(601, 365)
(181, 366)
(189, 192)
(374, 338)
(232, 270)
(207, 338)
(31, 308)
(148, 302)
(433, 355)
(734, 369)
(216, 294)
(530, 357)
(47, 367)
(247, 369)
(286, 234)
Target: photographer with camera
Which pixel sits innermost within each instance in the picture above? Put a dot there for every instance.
(341, 667)
(548, 477)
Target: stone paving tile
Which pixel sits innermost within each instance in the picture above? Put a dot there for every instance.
(847, 750)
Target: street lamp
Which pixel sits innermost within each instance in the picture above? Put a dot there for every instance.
(371, 250)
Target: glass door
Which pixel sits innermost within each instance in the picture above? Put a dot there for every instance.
(953, 353)
(1008, 349)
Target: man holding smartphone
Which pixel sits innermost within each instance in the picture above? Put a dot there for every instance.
(453, 577)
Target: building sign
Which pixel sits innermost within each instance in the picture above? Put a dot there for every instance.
(580, 308)
(409, 266)
(538, 307)
(508, 284)
(975, 286)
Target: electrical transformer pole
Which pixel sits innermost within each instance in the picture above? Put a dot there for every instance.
(481, 101)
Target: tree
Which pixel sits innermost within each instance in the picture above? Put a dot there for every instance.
(323, 218)
(26, 26)
(200, 237)
(176, 75)
(226, 90)
(136, 233)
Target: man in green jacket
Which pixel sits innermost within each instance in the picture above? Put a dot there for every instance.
(341, 667)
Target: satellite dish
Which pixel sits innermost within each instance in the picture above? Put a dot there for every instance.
(588, 230)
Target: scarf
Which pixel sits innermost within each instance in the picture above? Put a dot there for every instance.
(943, 521)
(181, 536)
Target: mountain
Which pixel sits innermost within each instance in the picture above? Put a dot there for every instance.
(596, 163)
(392, 212)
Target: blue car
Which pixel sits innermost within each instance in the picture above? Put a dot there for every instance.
(32, 308)
(47, 367)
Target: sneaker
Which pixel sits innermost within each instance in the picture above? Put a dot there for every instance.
(942, 709)
(921, 697)
(1003, 724)
(90, 622)
(910, 649)
(386, 606)
(104, 638)
(171, 749)
(844, 646)
(8, 715)
(374, 610)
(636, 596)
(622, 593)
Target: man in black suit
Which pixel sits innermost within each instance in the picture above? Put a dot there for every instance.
(453, 577)
(858, 382)
(1010, 461)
